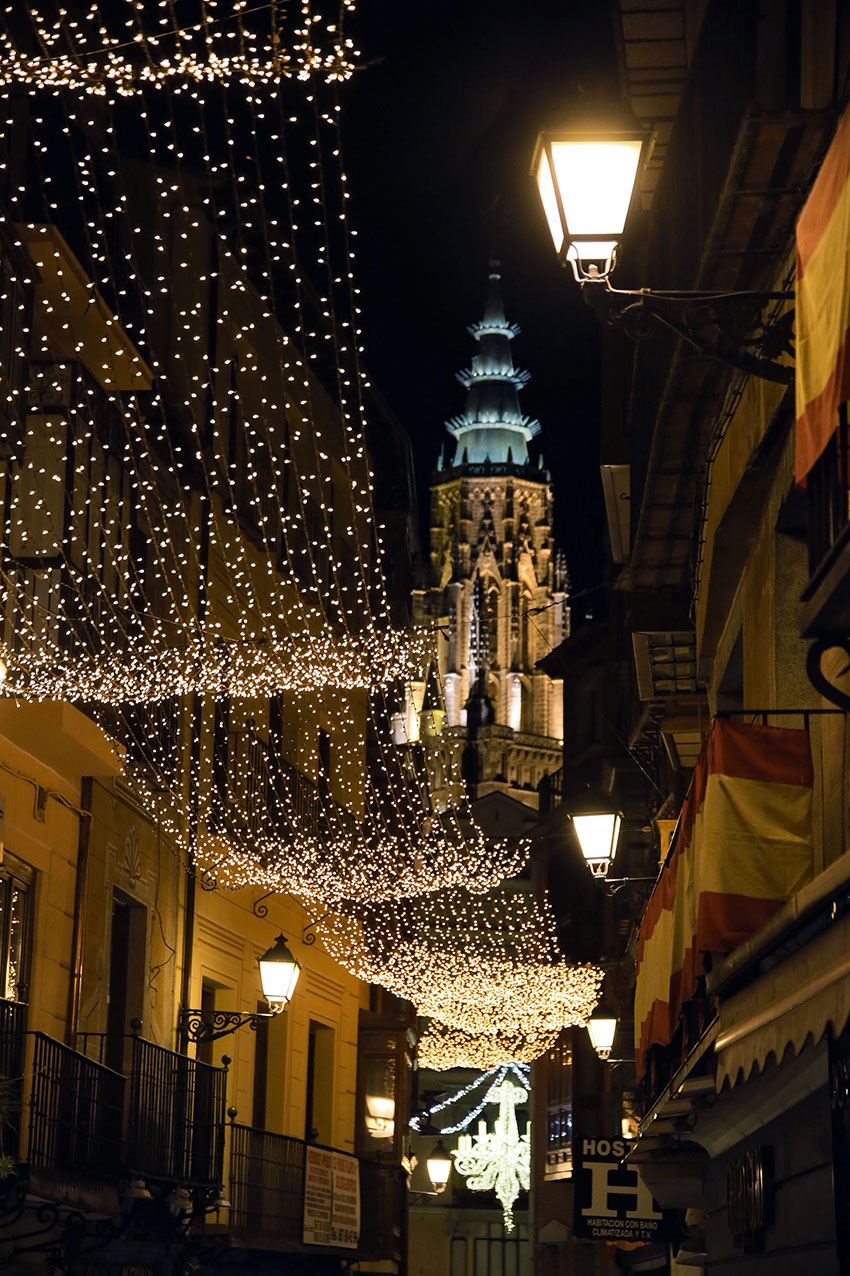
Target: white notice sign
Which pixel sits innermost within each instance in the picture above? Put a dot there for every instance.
(331, 1198)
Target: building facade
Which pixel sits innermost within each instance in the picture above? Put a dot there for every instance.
(732, 580)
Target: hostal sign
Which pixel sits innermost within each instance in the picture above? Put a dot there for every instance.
(612, 1202)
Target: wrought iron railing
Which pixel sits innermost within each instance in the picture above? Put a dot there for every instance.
(266, 1183)
(175, 1127)
(264, 793)
(76, 1111)
(267, 1187)
(13, 1022)
(828, 487)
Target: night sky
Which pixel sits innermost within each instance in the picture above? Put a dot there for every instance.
(439, 128)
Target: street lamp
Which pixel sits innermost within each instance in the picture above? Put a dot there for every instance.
(601, 1028)
(585, 179)
(279, 972)
(439, 1166)
(597, 828)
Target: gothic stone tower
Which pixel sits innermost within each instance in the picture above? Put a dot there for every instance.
(497, 587)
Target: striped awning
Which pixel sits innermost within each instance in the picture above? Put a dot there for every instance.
(794, 1003)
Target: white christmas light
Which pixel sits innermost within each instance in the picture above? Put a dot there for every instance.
(500, 1160)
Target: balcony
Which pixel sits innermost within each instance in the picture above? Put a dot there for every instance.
(826, 598)
(13, 1022)
(76, 1111)
(173, 1119)
(268, 1185)
(260, 793)
(175, 1128)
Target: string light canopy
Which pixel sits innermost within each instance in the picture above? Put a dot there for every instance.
(213, 44)
(441, 1048)
(191, 506)
(217, 667)
(487, 965)
(221, 537)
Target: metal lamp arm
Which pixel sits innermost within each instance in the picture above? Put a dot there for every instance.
(210, 1025)
(720, 325)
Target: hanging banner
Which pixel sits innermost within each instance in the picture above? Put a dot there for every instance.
(612, 1202)
(823, 303)
(743, 847)
(331, 1198)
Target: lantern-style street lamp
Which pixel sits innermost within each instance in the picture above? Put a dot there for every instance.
(586, 174)
(597, 826)
(586, 178)
(439, 1166)
(601, 1028)
(279, 971)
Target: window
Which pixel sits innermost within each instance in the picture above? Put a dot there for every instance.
(318, 1117)
(458, 1256)
(500, 1255)
(559, 1111)
(16, 882)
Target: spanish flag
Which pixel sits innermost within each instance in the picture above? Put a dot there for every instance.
(823, 303)
(742, 848)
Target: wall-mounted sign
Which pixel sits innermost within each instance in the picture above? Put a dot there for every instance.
(331, 1198)
(612, 1202)
(749, 1197)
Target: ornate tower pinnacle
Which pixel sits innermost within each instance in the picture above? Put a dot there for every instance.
(492, 427)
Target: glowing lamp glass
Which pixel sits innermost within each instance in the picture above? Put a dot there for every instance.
(598, 834)
(279, 973)
(601, 1029)
(439, 1166)
(380, 1107)
(585, 182)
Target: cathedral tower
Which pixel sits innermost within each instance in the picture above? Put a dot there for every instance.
(497, 587)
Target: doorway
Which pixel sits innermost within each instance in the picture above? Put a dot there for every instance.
(127, 964)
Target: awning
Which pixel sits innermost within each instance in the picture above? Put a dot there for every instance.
(795, 1001)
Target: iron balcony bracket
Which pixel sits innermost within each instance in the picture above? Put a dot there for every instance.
(730, 327)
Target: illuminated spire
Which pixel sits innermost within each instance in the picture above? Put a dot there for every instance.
(492, 427)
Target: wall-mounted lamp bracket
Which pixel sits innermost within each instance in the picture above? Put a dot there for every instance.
(210, 1025)
(730, 327)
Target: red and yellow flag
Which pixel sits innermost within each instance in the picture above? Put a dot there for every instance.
(742, 848)
(823, 303)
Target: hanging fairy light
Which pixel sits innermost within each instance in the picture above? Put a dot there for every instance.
(196, 515)
(490, 1078)
(218, 667)
(80, 55)
(442, 1048)
(483, 964)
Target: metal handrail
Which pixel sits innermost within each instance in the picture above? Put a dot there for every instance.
(76, 1111)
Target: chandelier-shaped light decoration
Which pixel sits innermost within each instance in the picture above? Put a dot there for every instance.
(500, 1160)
